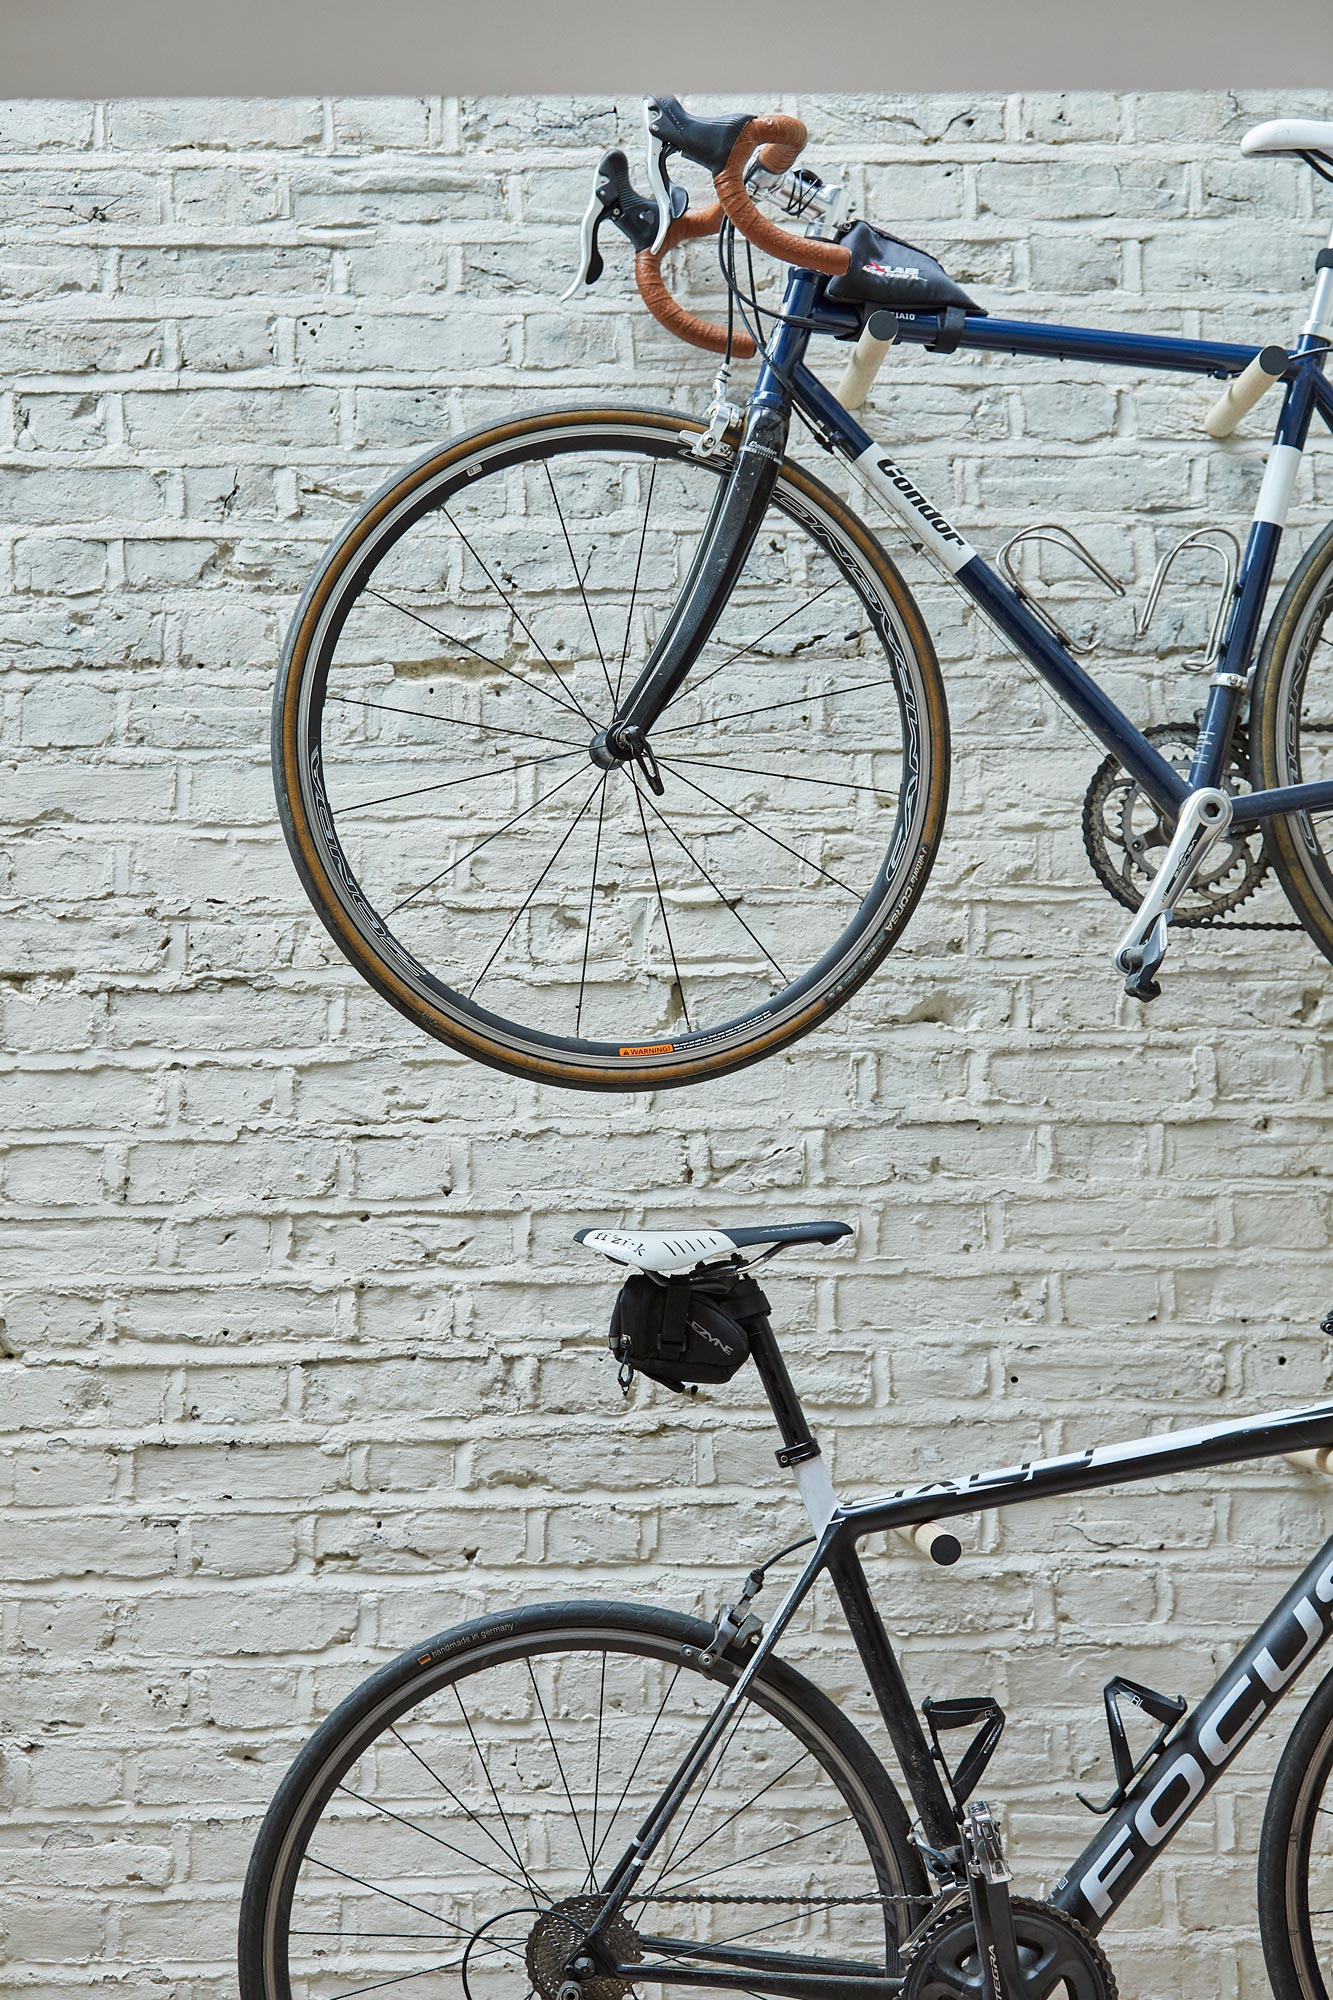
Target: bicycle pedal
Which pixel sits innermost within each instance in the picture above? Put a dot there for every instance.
(1141, 962)
(1142, 986)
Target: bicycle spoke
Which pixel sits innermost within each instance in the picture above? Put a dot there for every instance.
(721, 896)
(482, 843)
(555, 856)
(578, 1824)
(397, 1979)
(597, 1761)
(454, 721)
(652, 863)
(742, 1859)
(776, 1923)
(718, 1758)
(634, 589)
(751, 644)
(634, 1771)
(533, 687)
(355, 1937)
(730, 715)
(469, 777)
(784, 777)
(736, 1814)
(755, 827)
(578, 1018)
(466, 1810)
(439, 1839)
(606, 674)
(375, 1890)
(517, 615)
(490, 1782)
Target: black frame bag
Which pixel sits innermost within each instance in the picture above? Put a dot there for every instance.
(687, 1330)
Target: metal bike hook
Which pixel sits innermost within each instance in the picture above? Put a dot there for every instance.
(1221, 543)
(1059, 537)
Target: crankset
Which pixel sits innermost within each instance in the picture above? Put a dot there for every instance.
(1055, 1956)
(1126, 835)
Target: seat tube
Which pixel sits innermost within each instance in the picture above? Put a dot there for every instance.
(1230, 683)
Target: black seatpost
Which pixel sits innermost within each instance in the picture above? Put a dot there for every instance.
(798, 1440)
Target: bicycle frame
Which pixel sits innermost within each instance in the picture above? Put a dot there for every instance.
(1159, 1801)
(784, 378)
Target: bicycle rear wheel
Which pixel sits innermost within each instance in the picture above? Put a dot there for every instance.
(447, 672)
(451, 1823)
(1291, 735)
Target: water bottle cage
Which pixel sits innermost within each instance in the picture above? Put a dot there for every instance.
(1163, 1709)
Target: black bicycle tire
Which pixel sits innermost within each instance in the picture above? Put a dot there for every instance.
(1284, 1848)
(424, 1667)
(658, 1065)
(1300, 866)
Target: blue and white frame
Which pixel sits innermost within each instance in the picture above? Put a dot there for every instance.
(784, 378)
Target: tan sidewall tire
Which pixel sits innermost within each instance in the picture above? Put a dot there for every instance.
(648, 1072)
(1296, 869)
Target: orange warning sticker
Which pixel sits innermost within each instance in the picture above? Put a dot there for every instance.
(653, 1049)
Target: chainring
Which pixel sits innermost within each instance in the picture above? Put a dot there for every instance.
(557, 1935)
(1058, 1958)
(1126, 836)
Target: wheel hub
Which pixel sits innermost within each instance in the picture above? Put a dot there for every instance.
(1056, 1955)
(554, 1942)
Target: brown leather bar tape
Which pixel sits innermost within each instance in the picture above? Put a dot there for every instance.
(779, 139)
(667, 311)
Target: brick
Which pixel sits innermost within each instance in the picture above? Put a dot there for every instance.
(297, 1359)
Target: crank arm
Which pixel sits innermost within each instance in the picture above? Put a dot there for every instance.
(997, 1947)
(1204, 819)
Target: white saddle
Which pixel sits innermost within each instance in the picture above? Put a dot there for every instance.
(667, 1251)
(1291, 135)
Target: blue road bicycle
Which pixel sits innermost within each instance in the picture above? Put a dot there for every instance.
(612, 748)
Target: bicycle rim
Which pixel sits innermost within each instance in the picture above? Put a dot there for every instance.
(1293, 742)
(444, 680)
(1296, 1858)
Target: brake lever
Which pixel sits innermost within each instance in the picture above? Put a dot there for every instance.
(660, 188)
(636, 216)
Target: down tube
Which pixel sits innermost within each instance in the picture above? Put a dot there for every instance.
(1169, 1790)
(1001, 604)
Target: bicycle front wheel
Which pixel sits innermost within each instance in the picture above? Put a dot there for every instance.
(447, 674)
(449, 1827)
(1296, 1858)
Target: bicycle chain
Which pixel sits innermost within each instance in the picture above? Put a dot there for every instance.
(800, 1902)
(1255, 923)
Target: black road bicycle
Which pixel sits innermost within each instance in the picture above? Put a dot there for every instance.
(612, 748)
(601, 1801)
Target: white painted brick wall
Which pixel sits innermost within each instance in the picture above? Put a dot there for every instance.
(298, 1361)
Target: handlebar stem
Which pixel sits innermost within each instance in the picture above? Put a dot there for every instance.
(826, 199)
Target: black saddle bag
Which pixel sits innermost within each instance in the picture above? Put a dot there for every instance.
(685, 1331)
